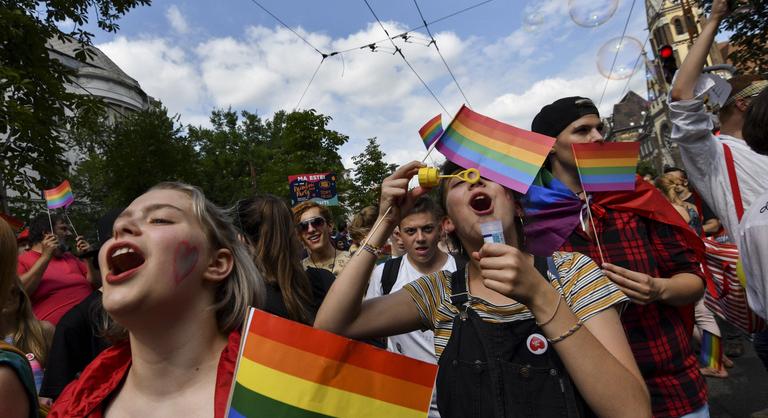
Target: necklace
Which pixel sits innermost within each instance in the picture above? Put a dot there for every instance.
(332, 264)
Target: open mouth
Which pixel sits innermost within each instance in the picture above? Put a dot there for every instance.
(123, 259)
(314, 238)
(481, 203)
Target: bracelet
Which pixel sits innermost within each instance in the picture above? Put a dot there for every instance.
(559, 299)
(371, 249)
(568, 333)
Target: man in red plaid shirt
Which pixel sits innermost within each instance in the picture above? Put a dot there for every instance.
(648, 253)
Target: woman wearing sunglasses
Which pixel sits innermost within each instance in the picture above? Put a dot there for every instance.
(314, 228)
(515, 336)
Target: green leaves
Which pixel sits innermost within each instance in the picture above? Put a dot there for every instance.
(370, 170)
(36, 110)
(749, 40)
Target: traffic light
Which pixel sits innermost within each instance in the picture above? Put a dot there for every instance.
(666, 57)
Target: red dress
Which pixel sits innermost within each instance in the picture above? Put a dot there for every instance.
(86, 396)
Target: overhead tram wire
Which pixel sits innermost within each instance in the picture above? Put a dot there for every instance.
(400, 35)
(434, 42)
(322, 54)
(400, 52)
(647, 38)
(616, 55)
(309, 84)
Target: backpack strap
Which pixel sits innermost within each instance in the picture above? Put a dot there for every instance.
(8, 347)
(389, 275)
(734, 182)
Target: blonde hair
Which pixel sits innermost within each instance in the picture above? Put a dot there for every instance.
(362, 223)
(244, 287)
(30, 337)
(666, 184)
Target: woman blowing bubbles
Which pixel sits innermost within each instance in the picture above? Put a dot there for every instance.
(510, 342)
(178, 282)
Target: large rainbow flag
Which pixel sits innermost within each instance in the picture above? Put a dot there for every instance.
(60, 196)
(287, 369)
(431, 131)
(607, 166)
(503, 153)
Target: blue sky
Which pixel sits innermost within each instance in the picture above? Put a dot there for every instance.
(197, 55)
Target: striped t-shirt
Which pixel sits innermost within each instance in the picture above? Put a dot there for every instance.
(584, 286)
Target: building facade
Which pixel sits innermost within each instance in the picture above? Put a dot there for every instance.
(675, 23)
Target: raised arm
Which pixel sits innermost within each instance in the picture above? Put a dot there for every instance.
(691, 68)
(343, 311)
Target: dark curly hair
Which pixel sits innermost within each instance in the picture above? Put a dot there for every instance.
(40, 225)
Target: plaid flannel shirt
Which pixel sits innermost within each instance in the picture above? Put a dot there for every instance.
(657, 333)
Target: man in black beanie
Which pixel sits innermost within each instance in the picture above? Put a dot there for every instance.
(645, 255)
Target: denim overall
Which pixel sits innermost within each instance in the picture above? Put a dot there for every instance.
(488, 371)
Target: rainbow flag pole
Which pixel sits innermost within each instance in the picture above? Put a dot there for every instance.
(287, 369)
(589, 212)
(430, 141)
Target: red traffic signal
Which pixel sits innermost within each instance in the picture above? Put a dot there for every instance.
(665, 51)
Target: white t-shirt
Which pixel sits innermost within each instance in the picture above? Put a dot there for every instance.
(753, 249)
(417, 344)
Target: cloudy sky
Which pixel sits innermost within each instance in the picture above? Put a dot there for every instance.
(510, 57)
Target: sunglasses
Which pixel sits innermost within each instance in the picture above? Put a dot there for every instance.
(316, 222)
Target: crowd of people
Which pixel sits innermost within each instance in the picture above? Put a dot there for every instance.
(147, 321)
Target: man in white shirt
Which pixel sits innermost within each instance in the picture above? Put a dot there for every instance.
(701, 150)
(420, 231)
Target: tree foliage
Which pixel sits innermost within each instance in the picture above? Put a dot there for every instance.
(124, 159)
(35, 107)
(370, 170)
(750, 37)
(243, 154)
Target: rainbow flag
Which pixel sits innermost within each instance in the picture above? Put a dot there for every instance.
(60, 196)
(711, 354)
(431, 131)
(503, 153)
(552, 212)
(607, 166)
(287, 369)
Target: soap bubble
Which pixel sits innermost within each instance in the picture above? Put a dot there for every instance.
(591, 13)
(532, 20)
(626, 51)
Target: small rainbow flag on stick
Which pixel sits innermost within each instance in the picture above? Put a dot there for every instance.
(711, 354)
(431, 131)
(503, 153)
(607, 166)
(60, 196)
(286, 369)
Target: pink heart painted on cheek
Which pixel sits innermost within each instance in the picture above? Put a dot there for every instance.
(184, 261)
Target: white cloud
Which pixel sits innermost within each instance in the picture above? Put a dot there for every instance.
(368, 94)
(177, 20)
(164, 71)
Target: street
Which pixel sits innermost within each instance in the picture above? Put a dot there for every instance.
(744, 391)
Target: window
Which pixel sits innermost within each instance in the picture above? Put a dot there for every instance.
(678, 26)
